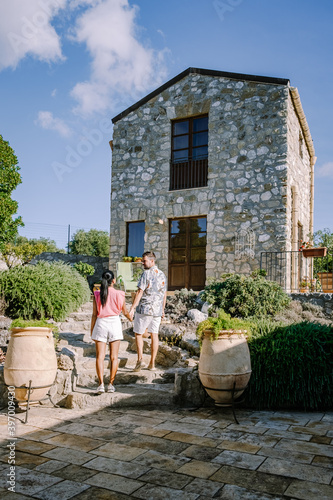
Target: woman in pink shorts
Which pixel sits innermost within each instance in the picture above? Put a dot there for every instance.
(106, 327)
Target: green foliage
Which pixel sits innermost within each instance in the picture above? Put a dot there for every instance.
(246, 296)
(46, 290)
(10, 178)
(323, 238)
(223, 321)
(23, 250)
(26, 323)
(92, 242)
(84, 269)
(292, 367)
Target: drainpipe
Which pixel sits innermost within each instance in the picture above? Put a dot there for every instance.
(294, 238)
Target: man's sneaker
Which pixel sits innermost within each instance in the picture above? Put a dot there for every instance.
(111, 388)
(100, 389)
(139, 366)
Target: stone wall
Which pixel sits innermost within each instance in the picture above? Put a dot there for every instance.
(98, 263)
(325, 300)
(247, 177)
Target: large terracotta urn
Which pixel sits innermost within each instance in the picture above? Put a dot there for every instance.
(30, 356)
(224, 365)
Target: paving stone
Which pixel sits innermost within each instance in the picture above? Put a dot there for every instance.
(67, 455)
(194, 429)
(137, 421)
(14, 496)
(205, 453)
(170, 479)
(224, 434)
(28, 460)
(114, 482)
(239, 446)
(242, 460)
(288, 434)
(161, 460)
(304, 458)
(74, 473)
(40, 435)
(51, 466)
(232, 492)
(33, 447)
(317, 428)
(119, 451)
(127, 469)
(149, 492)
(74, 442)
(252, 429)
(198, 420)
(155, 443)
(100, 494)
(321, 439)
(189, 438)
(61, 491)
(323, 462)
(197, 468)
(306, 490)
(151, 431)
(258, 440)
(299, 471)
(30, 482)
(204, 487)
(305, 447)
(252, 480)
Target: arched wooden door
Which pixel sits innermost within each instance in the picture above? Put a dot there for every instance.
(187, 253)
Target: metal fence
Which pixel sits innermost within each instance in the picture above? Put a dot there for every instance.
(191, 173)
(296, 273)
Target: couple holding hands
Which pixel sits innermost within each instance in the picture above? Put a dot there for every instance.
(148, 305)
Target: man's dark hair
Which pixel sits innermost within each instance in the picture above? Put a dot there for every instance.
(150, 255)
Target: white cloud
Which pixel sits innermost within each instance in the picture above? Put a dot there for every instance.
(47, 121)
(120, 63)
(326, 170)
(25, 29)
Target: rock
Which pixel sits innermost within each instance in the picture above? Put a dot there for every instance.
(205, 307)
(196, 316)
(64, 361)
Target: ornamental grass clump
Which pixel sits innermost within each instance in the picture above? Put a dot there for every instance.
(245, 296)
(46, 290)
(292, 367)
(223, 321)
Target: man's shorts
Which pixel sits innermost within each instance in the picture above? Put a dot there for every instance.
(143, 322)
(107, 329)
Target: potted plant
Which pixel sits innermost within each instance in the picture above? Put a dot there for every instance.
(127, 258)
(304, 285)
(31, 359)
(224, 363)
(137, 259)
(308, 250)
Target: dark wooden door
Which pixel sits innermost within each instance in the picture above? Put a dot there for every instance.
(187, 253)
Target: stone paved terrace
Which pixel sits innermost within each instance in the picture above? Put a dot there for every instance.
(169, 454)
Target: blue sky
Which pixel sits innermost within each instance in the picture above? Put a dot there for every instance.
(68, 66)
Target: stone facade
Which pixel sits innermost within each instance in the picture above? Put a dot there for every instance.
(254, 164)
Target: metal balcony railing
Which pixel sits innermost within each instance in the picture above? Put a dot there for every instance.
(188, 174)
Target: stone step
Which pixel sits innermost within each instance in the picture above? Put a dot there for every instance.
(79, 316)
(125, 396)
(88, 377)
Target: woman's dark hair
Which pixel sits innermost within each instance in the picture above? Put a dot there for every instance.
(107, 278)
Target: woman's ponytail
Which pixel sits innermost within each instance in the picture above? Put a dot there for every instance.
(107, 278)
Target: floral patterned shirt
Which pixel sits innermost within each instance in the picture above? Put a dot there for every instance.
(154, 285)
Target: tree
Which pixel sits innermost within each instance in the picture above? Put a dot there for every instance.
(10, 178)
(24, 250)
(92, 242)
(323, 238)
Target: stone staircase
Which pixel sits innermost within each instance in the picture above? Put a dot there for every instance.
(174, 381)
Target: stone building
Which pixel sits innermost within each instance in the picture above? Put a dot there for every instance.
(209, 171)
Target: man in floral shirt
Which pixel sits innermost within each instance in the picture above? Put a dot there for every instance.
(149, 303)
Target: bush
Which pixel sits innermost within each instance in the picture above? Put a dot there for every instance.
(246, 296)
(292, 367)
(46, 290)
(84, 269)
(223, 321)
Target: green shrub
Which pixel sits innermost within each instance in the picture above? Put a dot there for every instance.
(223, 321)
(292, 367)
(246, 296)
(84, 269)
(46, 290)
